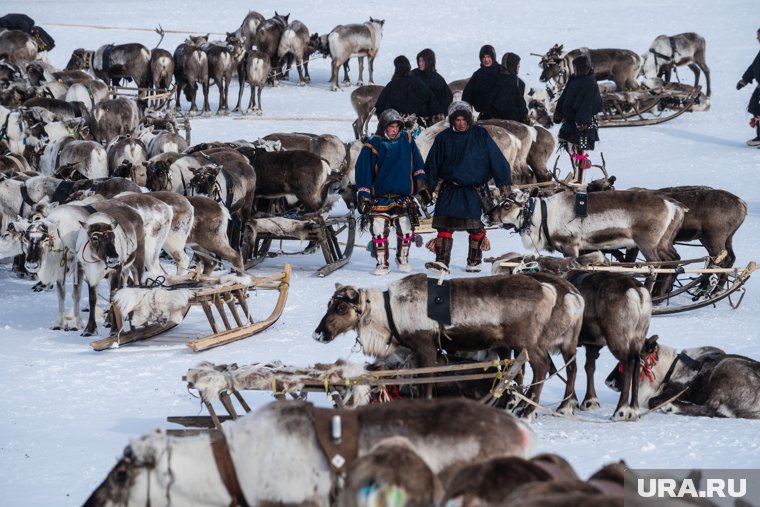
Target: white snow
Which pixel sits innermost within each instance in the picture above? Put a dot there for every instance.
(67, 412)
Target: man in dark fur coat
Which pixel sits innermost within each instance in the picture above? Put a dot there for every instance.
(577, 108)
(753, 74)
(509, 101)
(463, 159)
(481, 88)
(427, 72)
(388, 171)
(406, 94)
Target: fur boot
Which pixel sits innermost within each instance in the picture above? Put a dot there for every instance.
(475, 253)
(443, 244)
(381, 252)
(402, 253)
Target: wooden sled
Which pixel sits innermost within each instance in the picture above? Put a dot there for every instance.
(297, 383)
(692, 288)
(221, 299)
(641, 105)
(313, 228)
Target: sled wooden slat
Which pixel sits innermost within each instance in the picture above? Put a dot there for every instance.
(234, 334)
(213, 300)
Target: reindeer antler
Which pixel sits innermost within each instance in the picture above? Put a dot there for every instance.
(160, 31)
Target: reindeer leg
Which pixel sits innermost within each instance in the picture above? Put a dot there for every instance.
(300, 69)
(241, 84)
(91, 327)
(540, 367)
(360, 82)
(695, 69)
(258, 93)
(60, 285)
(635, 375)
(76, 297)
(346, 80)
(569, 400)
(371, 65)
(590, 401)
(206, 106)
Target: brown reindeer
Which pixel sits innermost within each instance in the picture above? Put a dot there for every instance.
(619, 65)
(247, 30)
(256, 67)
(114, 117)
(296, 44)
(112, 63)
(209, 234)
(17, 46)
(668, 52)
(190, 68)
(327, 146)
(268, 35)
(363, 100)
(127, 149)
(487, 312)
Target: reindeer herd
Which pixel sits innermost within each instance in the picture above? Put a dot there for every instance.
(95, 187)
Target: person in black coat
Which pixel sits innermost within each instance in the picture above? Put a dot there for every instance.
(405, 93)
(481, 88)
(427, 72)
(463, 159)
(753, 74)
(577, 108)
(509, 101)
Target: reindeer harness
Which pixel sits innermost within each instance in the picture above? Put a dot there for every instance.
(337, 433)
(226, 468)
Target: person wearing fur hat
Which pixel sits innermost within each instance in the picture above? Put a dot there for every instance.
(427, 72)
(509, 101)
(389, 170)
(406, 94)
(462, 160)
(481, 88)
(753, 74)
(576, 109)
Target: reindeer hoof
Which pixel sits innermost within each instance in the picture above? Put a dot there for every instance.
(57, 328)
(590, 404)
(87, 333)
(568, 408)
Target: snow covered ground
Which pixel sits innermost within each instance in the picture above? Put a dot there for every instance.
(68, 412)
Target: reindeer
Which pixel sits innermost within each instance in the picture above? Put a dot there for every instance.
(209, 234)
(268, 35)
(127, 150)
(297, 45)
(260, 446)
(616, 219)
(247, 30)
(619, 65)
(345, 41)
(537, 150)
(487, 312)
(363, 100)
(457, 87)
(702, 381)
(666, 53)
(161, 66)
(17, 46)
(114, 117)
(109, 241)
(75, 159)
(190, 68)
(327, 146)
(256, 71)
(112, 63)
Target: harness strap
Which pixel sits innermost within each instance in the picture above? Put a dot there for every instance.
(545, 225)
(25, 199)
(389, 314)
(337, 433)
(230, 192)
(226, 469)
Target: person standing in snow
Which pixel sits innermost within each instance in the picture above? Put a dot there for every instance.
(427, 72)
(463, 159)
(753, 74)
(389, 170)
(576, 109)
(407, 94)
(509, 101)
(481, 88)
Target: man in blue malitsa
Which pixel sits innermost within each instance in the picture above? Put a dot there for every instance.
(389, 171)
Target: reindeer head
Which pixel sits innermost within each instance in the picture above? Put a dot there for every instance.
(344, 311)
(553, 65)
(38, 240)
(204, 180)
(510, 212)
(158, 175)
(102, 243)
(281, 18)
(378, 22)
(197, 40)
(81, 59)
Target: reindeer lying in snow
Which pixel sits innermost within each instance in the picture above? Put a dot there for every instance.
(711, 382)
(275, 456)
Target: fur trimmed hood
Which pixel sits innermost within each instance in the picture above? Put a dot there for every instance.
(461, 108)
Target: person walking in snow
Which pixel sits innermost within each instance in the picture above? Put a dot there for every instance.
(753, 74)
(389, 170)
